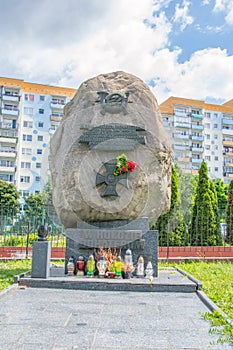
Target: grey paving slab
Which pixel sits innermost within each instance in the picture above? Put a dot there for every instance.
(56, 319)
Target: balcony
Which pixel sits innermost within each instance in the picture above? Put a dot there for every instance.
(228, 154)
(180, 136)
(55, 118)
(197, 138)
(227, 121)
(7, 169)
(197, 116)
(196, 160)
(57, 105)
(197, 127)
(7, 125)
(197, 149)
(180, 147)
(183, 159)
(11, 98)
(182, 125)
(8, 133)
(227, 142)
(7, 153)
(11, 111)
(8, 140)
(227, 131)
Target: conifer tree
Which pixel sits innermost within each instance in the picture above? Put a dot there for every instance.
(229, 214)
(171, 225)
(204, 225)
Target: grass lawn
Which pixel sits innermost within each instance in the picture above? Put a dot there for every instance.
(11, 268)
(217, 279)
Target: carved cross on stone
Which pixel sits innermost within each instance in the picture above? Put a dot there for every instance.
(111, 180)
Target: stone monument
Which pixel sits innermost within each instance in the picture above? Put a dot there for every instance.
(110, 115)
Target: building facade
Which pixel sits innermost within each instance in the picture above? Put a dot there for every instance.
(200, 131)
(29, 115)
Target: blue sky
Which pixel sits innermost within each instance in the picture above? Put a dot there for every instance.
(180, 48)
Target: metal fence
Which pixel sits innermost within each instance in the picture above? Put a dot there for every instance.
(21, 229)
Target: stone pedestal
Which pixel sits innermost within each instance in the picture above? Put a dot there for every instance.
(41, 255)
(118, 234)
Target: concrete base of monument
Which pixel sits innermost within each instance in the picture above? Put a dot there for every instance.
(118, 235)
(168, 280)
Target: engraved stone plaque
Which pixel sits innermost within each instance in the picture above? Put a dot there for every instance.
(112, 132)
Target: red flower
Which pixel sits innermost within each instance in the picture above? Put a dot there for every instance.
(124, 168)
(131, 166)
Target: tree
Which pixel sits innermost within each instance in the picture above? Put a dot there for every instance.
(171, 225)
(229, 214)
(187, 189)
(221, 190)
(9, 203)
(9, 198)
(204, 223)
(34, 208)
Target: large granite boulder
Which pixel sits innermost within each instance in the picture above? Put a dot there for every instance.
(110, 114)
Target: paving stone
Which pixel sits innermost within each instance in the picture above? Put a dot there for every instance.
(57, 319)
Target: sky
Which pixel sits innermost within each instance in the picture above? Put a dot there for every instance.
(179, 48)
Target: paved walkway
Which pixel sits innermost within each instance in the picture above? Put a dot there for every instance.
(56, 319)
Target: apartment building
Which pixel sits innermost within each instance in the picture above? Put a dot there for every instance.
(200, 131)
(29, 115)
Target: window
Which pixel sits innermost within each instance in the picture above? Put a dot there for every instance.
(9, 178)
(38, 165)
(41, 111)
(27, 124)
(27, 137)
(7, 163)
(37, 178)
(216, 158)
(207, 147)
(59, 101)
(216, 147)
(25, 165)
(28, 110)
(216, 115)
(207, 158)
(207, 136)
(39, 151)
(215, 126)
(40, 124)
(207, 114)
(216, 169)
(24, 193)
(25, 179)
(207, 125)
(40, 138)
(26, 151)
(215, 137)
(29, 97)
(42, 97)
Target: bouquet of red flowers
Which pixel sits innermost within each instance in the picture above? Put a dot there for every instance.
(124, 165)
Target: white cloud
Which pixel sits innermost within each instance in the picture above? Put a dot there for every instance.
(79, 39)
(227, 7)
(181, 15)
(205, 2)
(208, 73)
